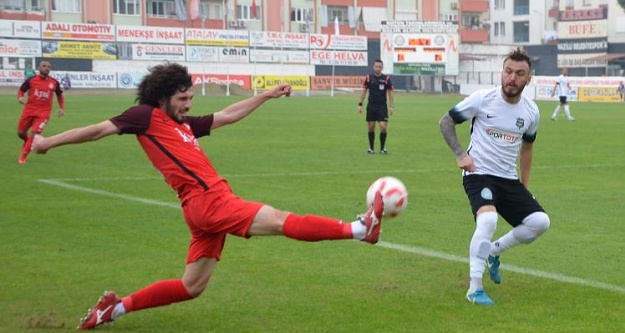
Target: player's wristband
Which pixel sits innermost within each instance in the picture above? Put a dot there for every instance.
(360, 104)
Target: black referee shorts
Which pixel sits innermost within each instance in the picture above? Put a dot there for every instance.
(511, 199)
(563, 100)
(377, 112)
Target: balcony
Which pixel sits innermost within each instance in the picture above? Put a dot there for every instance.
(474, 6)
(471, 35)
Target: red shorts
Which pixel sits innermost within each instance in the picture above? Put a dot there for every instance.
(213, 215)
(35, 122)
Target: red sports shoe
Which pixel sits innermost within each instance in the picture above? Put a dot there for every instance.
(100, 313)
(372, 219)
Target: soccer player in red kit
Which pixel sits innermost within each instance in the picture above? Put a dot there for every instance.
(169, 138)
(37, 105)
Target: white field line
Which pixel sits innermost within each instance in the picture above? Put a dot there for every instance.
(109, 194)
(517, 269)
(347, 172)
(398, 247)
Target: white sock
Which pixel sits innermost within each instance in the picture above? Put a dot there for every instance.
(567, 112)
(118, 310)
(505, 242)
(531, 228)
(479, 248)
(555, 112)
(359, 230)
(475, 284)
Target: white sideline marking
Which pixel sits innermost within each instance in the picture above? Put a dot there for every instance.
(351, 172)
(109, 194)
(398, 247)
(511, 268)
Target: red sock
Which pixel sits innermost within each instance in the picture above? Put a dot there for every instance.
(26, 148)
(158, 294)
(313, 228)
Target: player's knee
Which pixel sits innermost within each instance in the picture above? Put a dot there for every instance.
(486, 223)
(196, 287)
(538, 222)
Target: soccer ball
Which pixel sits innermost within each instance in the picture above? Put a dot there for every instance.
(394, 195)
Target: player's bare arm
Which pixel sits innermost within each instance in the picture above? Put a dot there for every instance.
(391, 97)
(525, 161)
(242, 109)
(447, 127)
(77, 135)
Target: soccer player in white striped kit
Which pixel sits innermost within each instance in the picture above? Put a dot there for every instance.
(504, 124)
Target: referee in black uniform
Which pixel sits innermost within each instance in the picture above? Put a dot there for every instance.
(379, 86)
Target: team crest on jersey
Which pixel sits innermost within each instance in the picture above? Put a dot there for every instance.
(51, 86)
(520, 122)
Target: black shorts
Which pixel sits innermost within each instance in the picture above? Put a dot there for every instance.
(377, 112)
(511, 199)
(563, 100)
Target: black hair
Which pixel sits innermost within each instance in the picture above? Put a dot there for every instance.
(519, 55)
(162, 82)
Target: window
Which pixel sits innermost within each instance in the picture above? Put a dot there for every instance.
(500, 4)
(213, 10)
(302, 15)
(161, 8)
(340, 12)
(36, 5)
(67, 6)
(449, 17)
(471, 21)
(12, 5)
(521, 32)
(126, 7)
(244, 12)
(500, 29)
(21, 5)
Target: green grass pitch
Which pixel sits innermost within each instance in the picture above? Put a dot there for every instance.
(93, 217)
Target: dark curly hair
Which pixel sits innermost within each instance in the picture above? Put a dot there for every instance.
(519, 55)
(162, 82)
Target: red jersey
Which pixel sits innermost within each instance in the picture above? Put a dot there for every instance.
(172, 147)
(40, 91)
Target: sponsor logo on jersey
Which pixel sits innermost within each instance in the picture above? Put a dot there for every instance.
(501, 136)
(188, 138)
(41, 94)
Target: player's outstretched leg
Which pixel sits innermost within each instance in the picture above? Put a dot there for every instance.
(372, 219)
(100, 313)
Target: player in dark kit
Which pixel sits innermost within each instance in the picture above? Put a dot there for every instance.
(169, 138)
(379, 86)
(37, 105)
